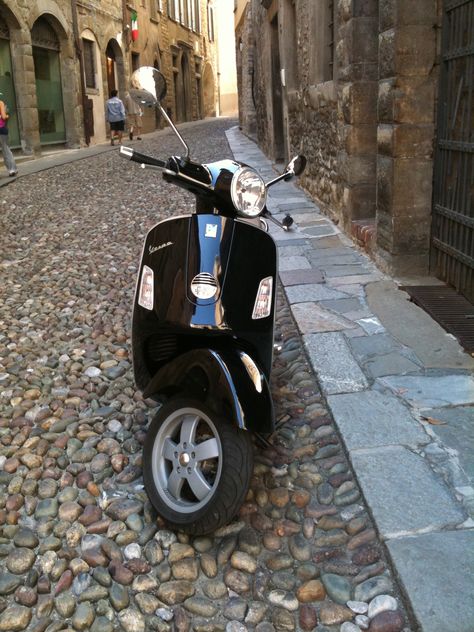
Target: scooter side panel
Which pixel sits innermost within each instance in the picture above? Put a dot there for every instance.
(222, 381)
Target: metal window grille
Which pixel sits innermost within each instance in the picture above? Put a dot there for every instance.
(453, 191)
(331, 37)
(44, 36)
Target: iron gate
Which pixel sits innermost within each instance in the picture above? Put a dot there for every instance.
(453, 192)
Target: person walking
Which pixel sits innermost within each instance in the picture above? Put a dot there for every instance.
(115, 113)
(10, 163)
(134, 116)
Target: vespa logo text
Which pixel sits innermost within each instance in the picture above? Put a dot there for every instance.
(152, 249)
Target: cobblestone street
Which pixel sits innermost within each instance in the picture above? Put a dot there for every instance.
(80, 546)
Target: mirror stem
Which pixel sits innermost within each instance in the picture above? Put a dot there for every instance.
(279, 178)
(268, 215)
(173, 127)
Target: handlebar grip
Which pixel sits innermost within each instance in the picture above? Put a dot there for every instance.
(135, 156)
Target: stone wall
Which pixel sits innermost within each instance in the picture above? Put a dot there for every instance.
(245, 48)
(407, 91)
(366, 122)
(315, 131)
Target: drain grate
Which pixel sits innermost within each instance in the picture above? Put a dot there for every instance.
(451, 310)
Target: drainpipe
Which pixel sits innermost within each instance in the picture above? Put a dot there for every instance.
(78, 47)
(125, 25)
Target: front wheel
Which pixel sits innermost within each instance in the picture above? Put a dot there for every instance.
(196, 466)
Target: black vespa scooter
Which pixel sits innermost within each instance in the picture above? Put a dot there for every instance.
(202, 332)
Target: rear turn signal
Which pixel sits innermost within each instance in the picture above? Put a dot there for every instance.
(145, 294)
(263, 302)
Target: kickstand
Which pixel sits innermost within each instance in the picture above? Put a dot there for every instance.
(262, 441)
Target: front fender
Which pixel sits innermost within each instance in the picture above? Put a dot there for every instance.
(229, 382)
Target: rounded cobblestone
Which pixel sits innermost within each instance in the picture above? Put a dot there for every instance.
(79, 539)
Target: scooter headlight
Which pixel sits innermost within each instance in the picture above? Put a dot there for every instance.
(248, 192)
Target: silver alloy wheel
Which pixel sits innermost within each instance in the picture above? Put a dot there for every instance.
(186, 444)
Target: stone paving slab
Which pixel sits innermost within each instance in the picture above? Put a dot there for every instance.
(293, 204)
(390, 364)
(332, 360)
(343, 305)
(311, 292)
(404, 494)
(370, 419)
(457, 433)
(430, 392)
(357, 279)
(332, 256)
(320, 231)
(436, 571)
(342, 270)
(308, 218)
(299, 277)
(415, 328)
(293, 263)
(371, 325)
(312, 318)
(373, 346)
(331, 242)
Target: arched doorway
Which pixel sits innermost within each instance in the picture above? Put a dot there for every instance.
(111, 71)
(49, 93)
(114, 67)
(7, 87)
(209, 95)
(182, 91)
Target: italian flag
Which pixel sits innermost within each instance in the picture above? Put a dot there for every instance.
(134, 26)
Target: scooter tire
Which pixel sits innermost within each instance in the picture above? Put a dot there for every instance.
(172, 468)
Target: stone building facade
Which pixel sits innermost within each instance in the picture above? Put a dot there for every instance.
(59, 59)
(354, 85)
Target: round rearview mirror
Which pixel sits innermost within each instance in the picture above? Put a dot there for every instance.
(147, 86)
(297, 165)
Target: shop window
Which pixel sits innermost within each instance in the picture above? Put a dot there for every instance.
(49, 96)
(89, 63)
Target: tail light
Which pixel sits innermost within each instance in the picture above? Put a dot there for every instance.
(263, 302)
(145, 293)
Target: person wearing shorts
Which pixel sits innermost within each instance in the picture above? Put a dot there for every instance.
(134, 117)
(115, 114)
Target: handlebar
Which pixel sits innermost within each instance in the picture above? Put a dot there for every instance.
(143, 159)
